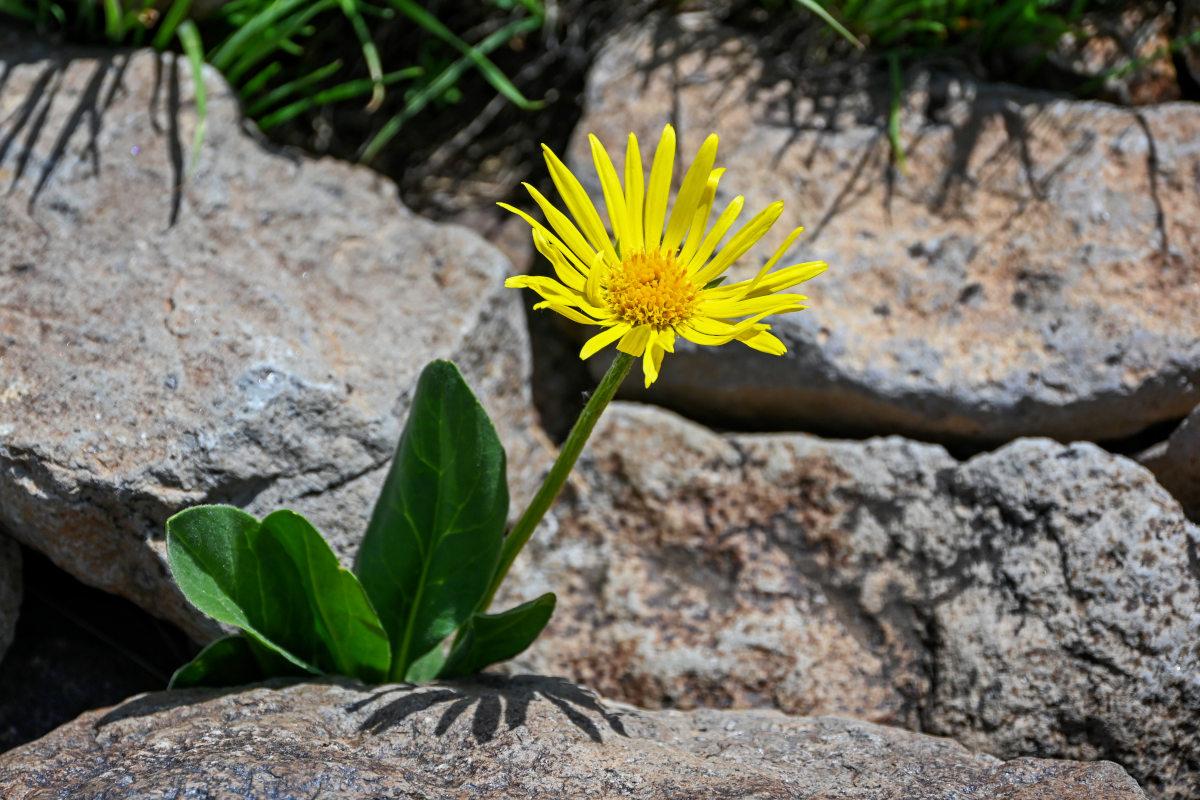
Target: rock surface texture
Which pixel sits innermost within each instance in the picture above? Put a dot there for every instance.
(245, 331)
(1043, 599)
(1176, 463)
(525, 737)
(1035, 272)
(10, 591)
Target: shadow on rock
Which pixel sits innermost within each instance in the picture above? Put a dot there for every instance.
(21, 133)
(495, 698)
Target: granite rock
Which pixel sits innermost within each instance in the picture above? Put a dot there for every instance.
(243, 329)
(10, 591)
(1176, 463)
(1042, 599)
(1035, 271)
(523, 737)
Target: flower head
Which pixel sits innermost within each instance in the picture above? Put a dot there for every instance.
(657, 276)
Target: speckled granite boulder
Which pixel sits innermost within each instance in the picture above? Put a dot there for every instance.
(1035, 272)
(1042, 599)
(1176, 463)
(245, 332)
(525, 737)
(10, 591)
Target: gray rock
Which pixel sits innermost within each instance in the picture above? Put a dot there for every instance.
(247, 330)
(10, 591)
(1035, 272)
(525, 737)
(1176, 463)
(1043, 599)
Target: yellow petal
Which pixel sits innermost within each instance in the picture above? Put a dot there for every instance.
(578, 204)
(722, 226)
(747, 324)
(635, 193)
(659, 189)
(779, 251)
(770, 304)
(614, 198)
(563, 226)
(788, 277)
(595, 280)
(722, 329)
(567, 312)
(700, 219)
(569, 275)
(548, 288)
(602, 339)
(707, 336)
(661, 342)
(763, 341)
(742, 241)
(554, 240)
(634, 342)
(690, 194)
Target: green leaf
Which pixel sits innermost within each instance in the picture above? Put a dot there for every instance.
(435, 535)
(231, 661)
(225, 662)
(489, 638)
(354, 642)
(427, 667)
(280, 583)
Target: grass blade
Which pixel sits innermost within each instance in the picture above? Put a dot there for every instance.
(476, 55)
(894, 112)
(820, 11)
(345, 91)
(170, 21)
(193, 48)
(281, 93)
(251, 31)
(112, 20)
(369, 51)
(445, 79)
(256, 84)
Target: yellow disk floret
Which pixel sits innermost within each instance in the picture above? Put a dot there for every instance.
(651, 289)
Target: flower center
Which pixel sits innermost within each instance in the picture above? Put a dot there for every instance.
(651, 289)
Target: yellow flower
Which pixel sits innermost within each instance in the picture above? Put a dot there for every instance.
(657, 276)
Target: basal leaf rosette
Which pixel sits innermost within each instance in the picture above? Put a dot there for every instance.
(658, 275)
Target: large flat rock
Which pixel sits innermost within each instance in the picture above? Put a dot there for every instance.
(1042, 599)
(1035, 272)
(247, 329)
(525, 737)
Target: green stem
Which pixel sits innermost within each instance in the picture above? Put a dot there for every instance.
(558, 473)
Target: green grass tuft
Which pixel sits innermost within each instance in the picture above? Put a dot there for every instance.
(260, 46)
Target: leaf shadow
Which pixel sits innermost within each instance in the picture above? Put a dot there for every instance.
(496, 699)
(811, 99)
(143, 705)
(25, 131)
